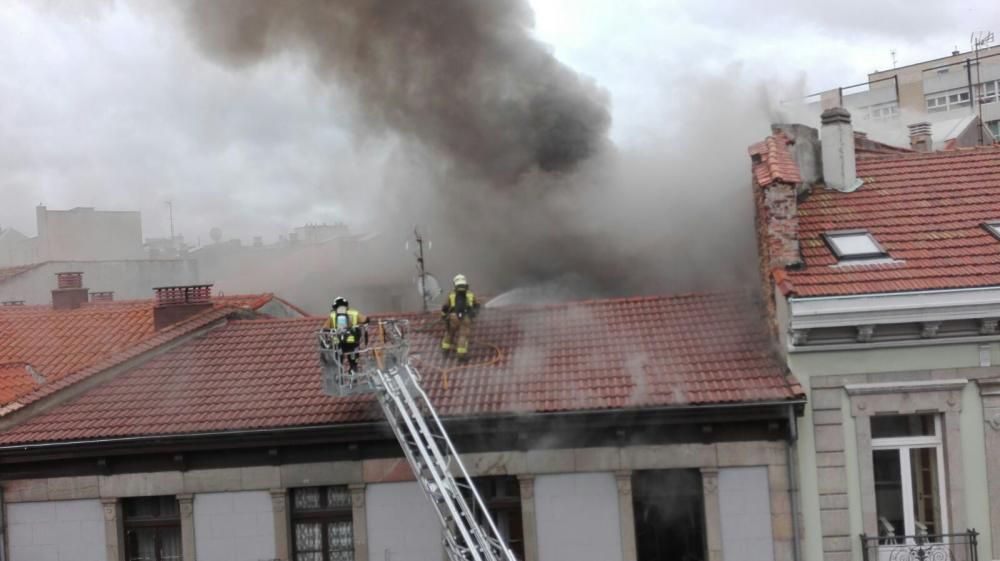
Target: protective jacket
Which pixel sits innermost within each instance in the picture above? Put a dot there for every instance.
(461, 306)
(348, 323)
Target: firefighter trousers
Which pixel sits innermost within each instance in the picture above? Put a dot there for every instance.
(457, 331)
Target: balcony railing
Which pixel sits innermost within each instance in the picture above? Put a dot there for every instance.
(942, 547)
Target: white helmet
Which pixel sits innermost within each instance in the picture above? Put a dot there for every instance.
(459, 280)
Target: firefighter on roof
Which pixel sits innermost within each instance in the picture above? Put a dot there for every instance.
(458, 312)
(348, 327)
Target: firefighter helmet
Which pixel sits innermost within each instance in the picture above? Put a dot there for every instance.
(459, 280)
(340, 301)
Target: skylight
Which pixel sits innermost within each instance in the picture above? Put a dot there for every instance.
(855, 244)
(993, 227)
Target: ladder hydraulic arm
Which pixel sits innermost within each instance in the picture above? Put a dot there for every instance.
(383, 368)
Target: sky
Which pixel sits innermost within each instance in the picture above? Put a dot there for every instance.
(112, 105)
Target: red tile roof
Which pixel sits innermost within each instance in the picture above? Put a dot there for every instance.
(15, 381)
(772, 162)
(594, 355)
(63, 345)
(925, 210)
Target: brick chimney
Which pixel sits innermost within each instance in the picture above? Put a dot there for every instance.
(837, 139)
(920, 137)
(70, 293)
(175, 304)
(104, 296)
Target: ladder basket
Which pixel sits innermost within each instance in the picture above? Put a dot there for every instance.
(352, 373)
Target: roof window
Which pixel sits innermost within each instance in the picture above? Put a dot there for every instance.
(855, 244)
(992, 227)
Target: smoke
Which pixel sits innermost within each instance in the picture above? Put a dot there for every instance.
(465, 78)
(502, 150)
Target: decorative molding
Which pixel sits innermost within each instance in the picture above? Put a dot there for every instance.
(989, 386)
(988, 326)
(929, 329)
(994, 422)
(357, 494)
(709, 480)
(898, 307)
(624, 479)
(799, 336)
(186, 502)
(906, 387)
(865, 333)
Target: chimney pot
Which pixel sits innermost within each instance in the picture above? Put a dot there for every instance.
(837, 149)
(175, 304)
(920, 136)
(104, 296)
(69, 280)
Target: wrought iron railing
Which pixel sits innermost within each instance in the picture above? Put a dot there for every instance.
(941, 547)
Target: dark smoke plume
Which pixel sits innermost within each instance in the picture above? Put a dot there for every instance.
(464, 77)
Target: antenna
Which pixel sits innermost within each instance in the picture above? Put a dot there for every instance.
(892, 53)
(979, 40)
(424, 296)
(170, 208)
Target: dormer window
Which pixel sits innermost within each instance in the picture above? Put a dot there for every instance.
(855, 244)
(993, 227)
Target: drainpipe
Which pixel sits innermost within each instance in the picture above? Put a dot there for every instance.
(793, 489)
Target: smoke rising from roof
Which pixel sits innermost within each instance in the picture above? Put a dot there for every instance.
(505, 154)
(465, 78)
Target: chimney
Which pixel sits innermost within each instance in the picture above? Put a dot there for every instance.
(837, 140)
(175, 304)
(105, 296)
(70, 293)
(920, 136)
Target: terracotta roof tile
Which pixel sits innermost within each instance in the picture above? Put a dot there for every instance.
(606, 354)
(925, 209)
(60, 345)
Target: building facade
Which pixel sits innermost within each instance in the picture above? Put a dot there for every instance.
(882, 269)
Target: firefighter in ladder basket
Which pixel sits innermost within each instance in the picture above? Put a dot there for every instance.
(458, 312)
(348, 329)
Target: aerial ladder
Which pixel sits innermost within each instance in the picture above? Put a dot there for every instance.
(383, 368)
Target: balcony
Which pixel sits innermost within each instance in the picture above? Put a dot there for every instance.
(923, 547)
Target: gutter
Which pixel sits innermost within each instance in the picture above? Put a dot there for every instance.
(377, 425)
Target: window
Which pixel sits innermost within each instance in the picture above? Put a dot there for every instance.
(883, 111)
(994, 127)
(988, 91)
(152, 529)
(502, 497)
(322, 524)
(854, 244)
(669, 515)
(992, 227)
(907, 458)
(946, 101)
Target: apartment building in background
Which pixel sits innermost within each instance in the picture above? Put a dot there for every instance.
(949, 91)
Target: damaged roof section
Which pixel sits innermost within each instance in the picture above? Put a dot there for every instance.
(602, 355)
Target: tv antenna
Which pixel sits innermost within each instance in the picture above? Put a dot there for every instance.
(980, 40)
(427, 285)
(892, 53)
(170, 209)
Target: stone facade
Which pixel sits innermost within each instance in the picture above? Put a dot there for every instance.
(202, 491)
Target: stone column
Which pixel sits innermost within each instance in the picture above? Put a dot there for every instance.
(528, 520)
(114, 535)
(279, 506)
(186, 503)
(626, 515)
(989, 391)
(713, 512)
(359, 519)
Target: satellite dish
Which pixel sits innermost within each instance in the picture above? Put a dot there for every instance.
(216, 234)
(430, 289)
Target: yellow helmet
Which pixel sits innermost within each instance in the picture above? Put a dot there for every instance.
(459, 280)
